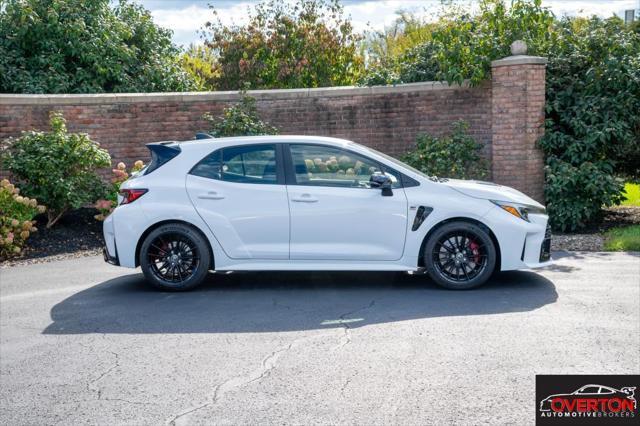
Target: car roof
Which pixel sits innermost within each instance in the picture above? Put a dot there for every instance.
(234, 140)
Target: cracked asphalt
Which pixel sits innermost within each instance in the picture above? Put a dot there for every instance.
(82, 342)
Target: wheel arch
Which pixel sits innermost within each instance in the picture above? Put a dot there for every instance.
(461, 219)
(166, 222)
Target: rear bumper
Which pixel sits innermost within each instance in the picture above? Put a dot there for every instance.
(110, 259)
(109, 251)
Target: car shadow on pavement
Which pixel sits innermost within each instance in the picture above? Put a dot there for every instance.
(288, 301)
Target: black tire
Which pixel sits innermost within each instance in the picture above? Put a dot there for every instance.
(460, 256)
(175, 257)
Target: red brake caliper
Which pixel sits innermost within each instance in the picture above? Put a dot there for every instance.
(475, 249)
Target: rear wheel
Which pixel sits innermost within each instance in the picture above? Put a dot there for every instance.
(175, 257)
(460, 256)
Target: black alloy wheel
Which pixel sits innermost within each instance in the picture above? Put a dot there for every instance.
(175, 257)
(460, 255)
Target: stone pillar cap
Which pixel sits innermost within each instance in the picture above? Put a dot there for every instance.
(519, 60)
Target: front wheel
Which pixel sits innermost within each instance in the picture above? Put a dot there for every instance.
(460, 256)
(175, 257)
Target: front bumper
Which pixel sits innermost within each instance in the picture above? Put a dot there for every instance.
(536, 252)
(545, 249)
(523, 244)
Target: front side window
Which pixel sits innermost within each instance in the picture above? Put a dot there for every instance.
(241, 164)
(319, 165)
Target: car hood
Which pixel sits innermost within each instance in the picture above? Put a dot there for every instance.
(490, 191)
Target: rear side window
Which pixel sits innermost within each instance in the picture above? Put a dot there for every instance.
(210, 166)
(241, 164)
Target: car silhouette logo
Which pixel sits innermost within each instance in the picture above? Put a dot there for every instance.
(592, 398)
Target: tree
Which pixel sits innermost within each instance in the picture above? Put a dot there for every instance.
(461, 45)
(77, 46)
(199, 62)
(308, 43)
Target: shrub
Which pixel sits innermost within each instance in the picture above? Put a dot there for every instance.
(306, 43)
(56, 167)
(76, 46)
(240, 119)
(592, 122)
(106, 205)
(456, 155)
(16, 219)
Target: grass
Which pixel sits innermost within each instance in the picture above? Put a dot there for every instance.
(623, 239)
(632, 192)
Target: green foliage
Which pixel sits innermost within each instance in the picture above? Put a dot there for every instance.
(461, 46)
(16, 219)
(199, 63)
(592, 93)
(623, 239)
(593, 125)
(307, 43)
(456, 155)
(77, 46)
(56, 167)
(240, 119)
(468, 43)
(632, 194)
(575, 194)
(404, 33)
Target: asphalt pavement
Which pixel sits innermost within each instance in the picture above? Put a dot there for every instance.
(83, 342)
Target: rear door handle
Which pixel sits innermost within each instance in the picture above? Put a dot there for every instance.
(305, 198)
(211, 195)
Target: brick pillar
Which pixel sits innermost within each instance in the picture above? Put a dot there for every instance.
(518, 122)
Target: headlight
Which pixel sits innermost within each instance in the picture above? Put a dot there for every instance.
(521, 211)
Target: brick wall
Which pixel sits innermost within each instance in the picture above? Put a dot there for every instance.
(384, 118)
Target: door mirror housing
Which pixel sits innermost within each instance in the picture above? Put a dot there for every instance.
(382, 181)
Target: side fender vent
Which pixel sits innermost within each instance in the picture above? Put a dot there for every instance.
(422, 213)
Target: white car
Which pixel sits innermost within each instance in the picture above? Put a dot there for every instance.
(314, 203)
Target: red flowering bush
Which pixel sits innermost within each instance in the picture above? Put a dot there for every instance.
(16, 219)
(106, 205)
(307, 43)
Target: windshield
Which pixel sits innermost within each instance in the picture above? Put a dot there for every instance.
(398, 162)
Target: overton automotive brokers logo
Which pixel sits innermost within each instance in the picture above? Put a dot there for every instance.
(581, 399)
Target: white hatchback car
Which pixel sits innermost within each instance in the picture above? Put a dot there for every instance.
(314, 203)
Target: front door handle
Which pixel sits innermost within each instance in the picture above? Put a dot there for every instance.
(305, 198)
(211, 195)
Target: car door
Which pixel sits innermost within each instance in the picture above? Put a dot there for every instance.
(335, 214)
(239, 192)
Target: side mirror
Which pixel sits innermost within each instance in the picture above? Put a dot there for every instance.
(382, 181)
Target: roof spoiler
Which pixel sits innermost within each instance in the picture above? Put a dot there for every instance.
(203, 135)
(166, 148)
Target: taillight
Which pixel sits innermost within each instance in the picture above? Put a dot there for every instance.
(130, 195)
